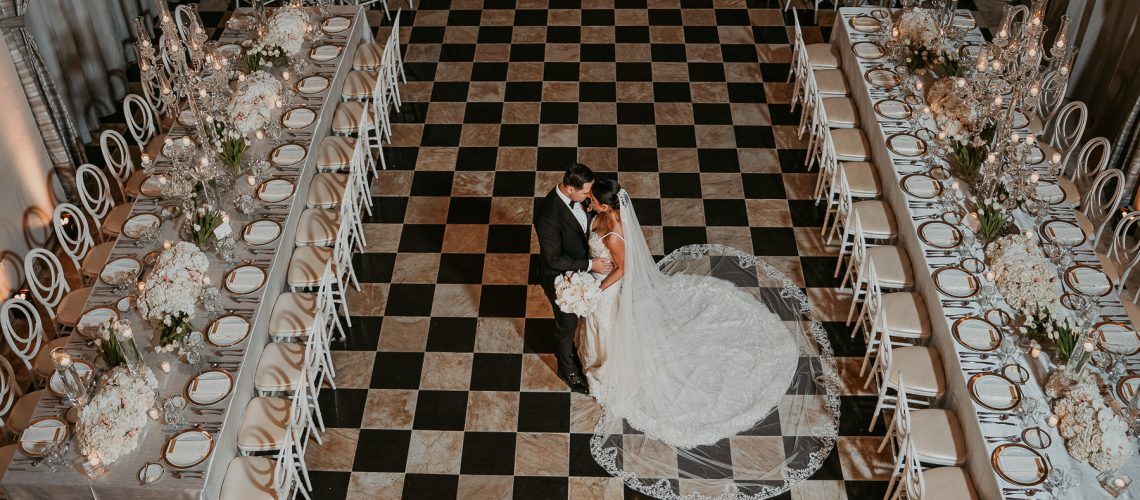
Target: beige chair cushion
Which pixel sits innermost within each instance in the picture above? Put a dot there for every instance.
(841, 112)
(876, 218)
(948, 483)
(1109, 266)
(1035, 124)
(346, 118)
(327, 189)
(1133, 312)
(830, 82)
(279, 367)
(921, 368)
(6, 454)
(307, 265)
(70, 309)
(22, 411)
(249, 478)
(154, 146)
(905, 313)
(368, 55)
(358, 85)
(97, 258)
(43, 364)
(823, 55)
(113, 222)
(1072, 192)
(862, 179)
(335, 153)
(133, 182)
(293, 315)
(1084, 222)
(263, 424)
(892, 266)
(938, 437)
(317, 226)
(850, 144)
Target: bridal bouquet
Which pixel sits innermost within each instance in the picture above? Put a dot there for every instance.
(577, 293)
(112, 422)
(174, 285)
(1023, 275)
(1093, 431)
(254, 102)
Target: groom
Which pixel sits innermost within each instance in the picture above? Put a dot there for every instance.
(562, 224)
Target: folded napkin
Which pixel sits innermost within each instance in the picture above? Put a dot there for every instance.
(1089, 279)
(865, 22)
(228, 331)
(210, 387)
(868, 50)
(940, 234)
(325, 52)
(136, 225)
(996, 392)
(275, 190)
(1020, 464)
(1120, 340)
(975, 334)
(904, 144)
(186, 118)
(313, 84)
(288, 155)
(41, 434)
(336, 24)
(299, 118)
(921, 186)
(261, 233)
(1064, 233)
(957, 282)
(246, 279)
(1049, 192)
(1129, 388)
(185, 451)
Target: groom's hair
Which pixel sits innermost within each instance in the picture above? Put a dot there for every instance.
(577, 175)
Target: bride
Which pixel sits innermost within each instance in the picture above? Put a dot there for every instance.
(683, 356)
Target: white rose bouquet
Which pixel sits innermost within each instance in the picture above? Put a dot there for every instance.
(111, 423)
(1093, 431)
(173, 286)
(1023, 275)
(577, 293)
(254, 102)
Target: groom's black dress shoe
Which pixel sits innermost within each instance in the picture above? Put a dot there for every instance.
(576, 383)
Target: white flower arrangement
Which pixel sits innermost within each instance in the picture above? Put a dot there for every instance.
(1094, 432)
(254, 102)
(919, 27)
(577, 293)
(174, 285)
(111, 423)
(285, 34)
(1023, 276)
(960, 119)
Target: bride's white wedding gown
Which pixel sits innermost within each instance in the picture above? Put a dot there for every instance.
(693, 361)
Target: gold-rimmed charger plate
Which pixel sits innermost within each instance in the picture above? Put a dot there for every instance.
(261, 232)
(1127, 387)
(1049, 192)
(134, 226)
(963, 22)
(864, 23)
(186, 118)
(288, 154)
(228, 50)
(882, 78)
(893, 109)
(1088, 281)
(93, 320)
(151, 472)
(1062, 232)
(324, 53)
(868, 50)
(920, 186)
(227, 331)
(976, 334)
(313, 84)
(998, 316)
(1036, 437)
(906, 144)
(336, 24)
(209, 387)
(83, 367)
(275, 190)
(1020, 120)
(40, 433)
(245, 279)
(1015, 373)
(939, 234)
(1117, 338)
(187, 449)
(298, 118)
(994, 391)
(953, 281)
(118, 267)
(1019, 464)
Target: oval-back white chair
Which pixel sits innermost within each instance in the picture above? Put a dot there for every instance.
(25, 344)
(140, 120)
(1087, 167)
(1069, 125)
(9, 389)
(1123, 250)
(48, 286)
(73, 232)
(1053, 87)
(94, 192)
(118, 158)
(184, 19)
(152, 91)
(1100, 202)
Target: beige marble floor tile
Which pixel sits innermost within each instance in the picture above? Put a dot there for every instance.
(703, 52)
(389, 409)
(435, 452)
(598, 159)
(715, 185)
(473, 184)
(381, 238)
(537, 305)
(415, 268)
(830, 304)
(427, 210)
(768, 213)
(715, 136)
(683, 212)
(445, 112)
(600, 488)
(800, 186)
(640, 184)
(598, 34)
(479, 135)
(659, 460)
(739, 238)
(710, 92)
(540, 373)
(437, 158)
(336, 453)
(597, 72)
(634, 91)
(465, 238)
(799, 414)
(655, 239)
(860, 460)
(790, 266)
(757, 457)
(677, 160)
(632, 52)
(401, 333)
(446, 371)
(810, 243)
(392, 183)
(819, 490)
(456, 301)
(750, 114)
(563, 52)
(371, 300)
(787, 137)
(486, 91)
(758, 160)
(542, 454)
(524, 71)
(375, 485)
(406, 134)
(353, 368)
(670, 72)
(516, 159)
(492, 411)
(778, 92)
(499, 335)
(558, 135)
(584, 413)
(473, 487)
(673, 113)
(742, 73)
(506, 269)
(852, 382)
(521, 112)
(512, 211)
(666, 34)
(560, 91)
(492, 52)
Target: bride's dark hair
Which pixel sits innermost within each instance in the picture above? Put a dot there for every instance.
(606, 191)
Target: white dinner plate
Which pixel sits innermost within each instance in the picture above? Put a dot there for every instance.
(187, 449)
(904, 144)
(135, 226)
(994, 391)
(209, 387)
(312, 84)
(1117, 338)
(1062, 232)
(1088, 281)
(976, 334)
(275, 190)
(261, 232)
(93, 320)
(120, 269)
(864, 23)
(336, 24)
(245, 279)
(82, 367)
(1019, 464)
(151, 187)
(939, 234)
(324, 53)
(227, 331)
(298, 118)
(40, 433)
(287, 154)
(868, 50)
(955, 282)
(921, 186)
(893, 109)
(882, 78)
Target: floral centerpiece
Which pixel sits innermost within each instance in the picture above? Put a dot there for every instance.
(228, 143)
(1094, 431)
(284, 36)
(112, 422)
(963, 122)
(577, 293)
(1043, 325)
(203, 222)
(993, 218)
(921, 38)
(171, 290)
(1023, 275)
(254, 102)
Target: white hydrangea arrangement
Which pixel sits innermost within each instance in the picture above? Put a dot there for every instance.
(286, 31)
(577, 293)
(172, 288)
(255, 101)
(919, 27)
(111, 423)
(1094, 432)
(1023, 274)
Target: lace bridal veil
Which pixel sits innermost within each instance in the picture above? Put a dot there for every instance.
(690, 410)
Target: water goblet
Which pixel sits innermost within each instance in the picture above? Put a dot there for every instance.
(211, 299)
(172, 412)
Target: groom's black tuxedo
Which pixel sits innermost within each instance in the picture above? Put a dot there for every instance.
(563, 247)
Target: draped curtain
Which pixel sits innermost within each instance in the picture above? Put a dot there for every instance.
(50, 112)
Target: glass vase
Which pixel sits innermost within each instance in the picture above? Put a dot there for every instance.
(1079, 359)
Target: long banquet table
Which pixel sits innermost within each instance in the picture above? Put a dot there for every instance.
(24, 479)
(891, 168)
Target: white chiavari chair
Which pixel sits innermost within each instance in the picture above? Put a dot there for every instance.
(1086, 169)
(875, 217)
(889, 264)
(807, 57)
(922, 368)
(27, 339)
(1123, 250)
(249, 477)
(935, 433)
(901, 314)
(74, 235)
(270, 424)
(142, 124)
(16, 408)
(318, 225)
(48, 284)
(306, 266)
(1100, 203)
(369, 55)
(117, 155)
(913, 481)
(95, 196)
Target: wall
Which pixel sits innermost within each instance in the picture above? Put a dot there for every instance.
(26, 183)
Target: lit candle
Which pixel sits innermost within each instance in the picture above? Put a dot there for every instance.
(1030, 139)
(1035, 89)
(997, 101)
(206, 280)
(142, 286)
(146, 43)
(285, 75)
(205, 161)
(1034, 177)
(1028, 234)
(918, 85)
(996, 66)
(961, 82)
(1033, 52)
(1014, 137)
(251, 180)
(241, 77)
(145, 158)
(941, 135)
(152, 413)
(1051, 421)
(61, 358)
(990, 276)
(955, 186)
(167, 244)
(201, 92)
(165, 366)
(1034, 352)
(186, 141)
(1056, 158)
(1118, 482)
(168, 141)
(259, 135)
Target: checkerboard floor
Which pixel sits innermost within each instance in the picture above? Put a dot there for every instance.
(446, 384)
